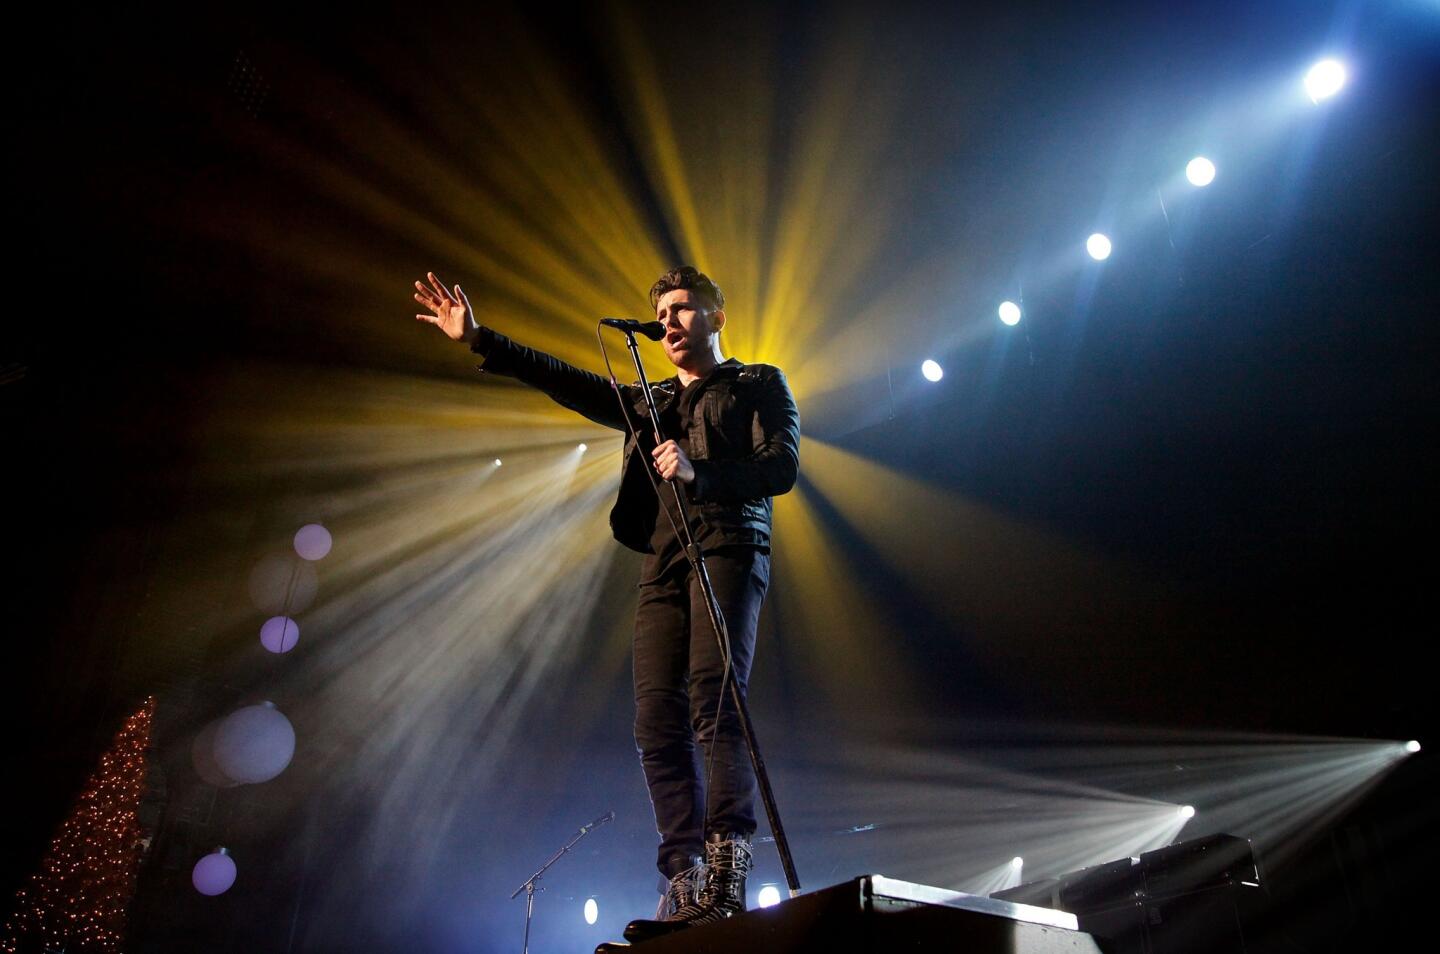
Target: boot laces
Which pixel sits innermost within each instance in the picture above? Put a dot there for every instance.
(681, 891)
(729, 861)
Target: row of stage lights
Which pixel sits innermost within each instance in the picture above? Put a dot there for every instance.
(769, 894)
(1323, 81)
(579, 449)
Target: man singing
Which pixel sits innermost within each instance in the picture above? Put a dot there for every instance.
(731, 436)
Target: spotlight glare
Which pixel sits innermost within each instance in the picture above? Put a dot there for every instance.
(592, 911)
(583, 448)
(1200, 171)
(1324, 80)
(1098, 246)
(769, 896)
(932, 370)
(497, 462)
(1010, 313)
(1017, 862)
(1412, 746)
(1186, 811)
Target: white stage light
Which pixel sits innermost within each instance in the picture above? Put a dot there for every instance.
(1186, 811)
(254, 743)
(1098, 246)
(583, 448)
(1324, 79)
(769, 896)
(214, 874)
(1412, 746)
(497, 462)
(931, 370)
(1017, 862)
(312, 542)
(1010, 313)
(1200, 171)
(592, 911)
(279, 634)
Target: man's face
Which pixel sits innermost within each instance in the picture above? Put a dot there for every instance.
(689, 323)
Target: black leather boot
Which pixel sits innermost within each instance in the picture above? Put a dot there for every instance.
(727, 861)
(679, 895)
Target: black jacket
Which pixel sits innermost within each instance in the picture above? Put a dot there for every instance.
(744, 444)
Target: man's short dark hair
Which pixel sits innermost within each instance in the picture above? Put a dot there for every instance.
(691, 279)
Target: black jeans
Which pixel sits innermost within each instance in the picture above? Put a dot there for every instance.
(678, 675)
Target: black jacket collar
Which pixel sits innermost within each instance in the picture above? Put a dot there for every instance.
(671, 385)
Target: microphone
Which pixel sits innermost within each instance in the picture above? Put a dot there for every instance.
(608, 816)
(650, 329)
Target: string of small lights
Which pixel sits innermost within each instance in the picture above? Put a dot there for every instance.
(79, 898)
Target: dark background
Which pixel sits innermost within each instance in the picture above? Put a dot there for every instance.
(1241, 404)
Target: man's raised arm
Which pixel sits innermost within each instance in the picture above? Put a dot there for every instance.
(581, 391)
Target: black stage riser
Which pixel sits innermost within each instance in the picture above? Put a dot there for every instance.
(855, 918)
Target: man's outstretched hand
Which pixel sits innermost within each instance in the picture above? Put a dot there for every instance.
(450, 312)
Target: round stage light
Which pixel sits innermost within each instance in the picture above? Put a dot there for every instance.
(1186, 811)
(254, 743)
(1200, 171)
(1412, 746)
(1098, 246)
(497, 462)
(1017, 862)
(279, 634)
(592, 911)
(214, 874)
(769, 896)
(1324, 80)
(1010, 313)
(583, 448)
(932, 370)
(312, 542)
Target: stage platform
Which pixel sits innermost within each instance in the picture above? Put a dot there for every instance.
(878, 914)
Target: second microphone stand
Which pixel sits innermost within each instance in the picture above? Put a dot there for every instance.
(717, 623)
(532, 884)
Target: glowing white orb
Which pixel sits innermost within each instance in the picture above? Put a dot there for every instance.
(1200, 171)
(1412, 746)
(592, 911)
(1324, 79)
(1010, 313)
(497, 462)
(932, 370)
(214, 874)
(769, 896)
(1017, 862)
(312, 542)
(1098, 246)
(1186, 811)
(254, 743)
(279, 634)
(583, 448)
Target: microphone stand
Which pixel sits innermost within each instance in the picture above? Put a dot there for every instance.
(717, 623)
(530, 886)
